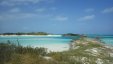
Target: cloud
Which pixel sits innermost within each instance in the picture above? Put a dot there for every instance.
(12, 16)
(17, 14)
(45, 9)
(15, 10)
(26, 16)
(61, 18)
(53, 8)
(21, 2)
(86, 18)
(108, 10)
(6, 3)
(40, 10)
(89, 10)
(1, 17)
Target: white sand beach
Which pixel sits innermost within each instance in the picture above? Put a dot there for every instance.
(34, 35)
(54, 47)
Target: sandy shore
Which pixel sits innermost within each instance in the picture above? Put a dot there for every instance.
(54, 47)
(34, 35)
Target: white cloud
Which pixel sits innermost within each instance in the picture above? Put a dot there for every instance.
(89, 10)
(45, 9)
(108, 10)
(85, 18)
(1, 17)
(53, 8)
(14, 10)
(12, 16)
(18, 16)
(21, 2)
(25, 28)
(61, 18)
(40, 10)
(6, 3)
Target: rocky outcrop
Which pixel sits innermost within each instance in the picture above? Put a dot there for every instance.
(92, 50)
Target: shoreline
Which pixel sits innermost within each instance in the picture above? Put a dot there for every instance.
(34, 35)
(56, 47)
(50, 47)
(74, 43)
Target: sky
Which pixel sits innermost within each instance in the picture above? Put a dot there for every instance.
(57, 16)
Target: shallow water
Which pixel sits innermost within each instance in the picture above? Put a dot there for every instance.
(52, 43)
(107, 39)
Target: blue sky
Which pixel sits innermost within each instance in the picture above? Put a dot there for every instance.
(57, 16)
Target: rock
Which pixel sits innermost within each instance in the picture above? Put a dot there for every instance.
(84, 59)
(109, 47)
(111, 54)
(93, 51)
(76, 47)
(99, 61)
(47, 58)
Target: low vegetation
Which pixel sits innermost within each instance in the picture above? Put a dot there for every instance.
(71, 34)
(30, 33)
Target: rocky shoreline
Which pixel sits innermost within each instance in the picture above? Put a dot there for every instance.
(101, 52)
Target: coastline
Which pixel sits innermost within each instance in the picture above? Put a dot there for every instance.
(53, 47)
(56, 47)
(75, 43)
(35, 35)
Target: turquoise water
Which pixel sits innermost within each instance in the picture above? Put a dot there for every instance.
(107, 39)
(48, 40)
(35, 40)
(52, 43)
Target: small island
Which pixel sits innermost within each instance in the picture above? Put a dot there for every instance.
(24, 33)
